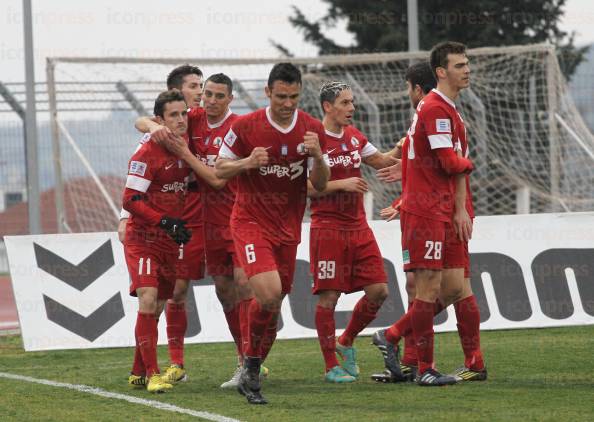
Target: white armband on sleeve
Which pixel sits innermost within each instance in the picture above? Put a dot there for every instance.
(368, 150)
(441, 141)
(137, 183)
(124, 214)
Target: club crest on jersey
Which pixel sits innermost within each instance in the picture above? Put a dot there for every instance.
(138, 168)
(217, 142)
(285, 149)
(344, 147)
(443, 125)
(355, 142)
(230, 138)
(301, 149)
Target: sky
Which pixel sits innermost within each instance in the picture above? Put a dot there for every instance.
(184, 28)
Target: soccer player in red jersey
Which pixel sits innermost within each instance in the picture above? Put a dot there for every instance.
(420, 81)
(344, 254)
(455, 286)
(428, 206)
(191, 263)
(217, 201)
(154, 197)
(272, 149)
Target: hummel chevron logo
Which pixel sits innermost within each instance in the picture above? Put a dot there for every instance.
(78, 276)
(90, 327)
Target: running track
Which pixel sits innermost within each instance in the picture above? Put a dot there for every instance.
(8, 313)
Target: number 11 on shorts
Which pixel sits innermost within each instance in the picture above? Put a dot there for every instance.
(250, 253)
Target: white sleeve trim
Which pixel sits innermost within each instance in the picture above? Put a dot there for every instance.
(440, 141)
(368, 150)
(137, 183)
(124, 214)
(225, 152)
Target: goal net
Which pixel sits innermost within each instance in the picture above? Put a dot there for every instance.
(531, 149)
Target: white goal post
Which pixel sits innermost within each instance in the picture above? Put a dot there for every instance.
(531, 149)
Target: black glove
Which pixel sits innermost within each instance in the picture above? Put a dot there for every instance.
(176, 229)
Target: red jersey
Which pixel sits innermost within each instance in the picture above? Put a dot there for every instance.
(193, 211)
(429, 190)
(155, 187)
(462, 145)
(340, 210)
(272, 196)
(217, 203)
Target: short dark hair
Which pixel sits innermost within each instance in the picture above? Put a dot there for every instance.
(421, 74)
(439, 54)
(221, 78)
(331, 90)
(175, 79)
(167, 97)
(284, 72)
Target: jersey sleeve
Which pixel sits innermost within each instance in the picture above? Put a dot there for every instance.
(141, 172)
(233, 147)
(438, 126)
(367, 148)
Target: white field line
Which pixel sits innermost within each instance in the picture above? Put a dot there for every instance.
(11, 324)
(131, 399)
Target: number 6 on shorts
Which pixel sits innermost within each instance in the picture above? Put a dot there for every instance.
(250, 253)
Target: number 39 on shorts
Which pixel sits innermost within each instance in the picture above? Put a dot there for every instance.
(326, 269)
(432, 250)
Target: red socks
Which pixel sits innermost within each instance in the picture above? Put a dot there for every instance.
(257, 324)
(244, 312)
(403, 327)
(326, 328)
(269, 337)
(364, 312)
(138, 367)
(146, 341)
(469, 319)
(232, 317)
(410, 350)
(177, 323)
(422, 327)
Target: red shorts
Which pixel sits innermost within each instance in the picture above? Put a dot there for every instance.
(345, 260)
(220, 250)
(257, 254)
(456, 252)
(423, 242)
(191, 261)
(151, 268)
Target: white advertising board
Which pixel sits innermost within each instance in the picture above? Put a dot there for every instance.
(527, 271)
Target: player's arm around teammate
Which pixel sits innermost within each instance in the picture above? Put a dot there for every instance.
(154, 196)
(187, 80)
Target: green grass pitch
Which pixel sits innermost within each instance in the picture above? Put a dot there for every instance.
(534, 375)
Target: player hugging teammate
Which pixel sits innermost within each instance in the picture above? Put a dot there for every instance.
(249, 178)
